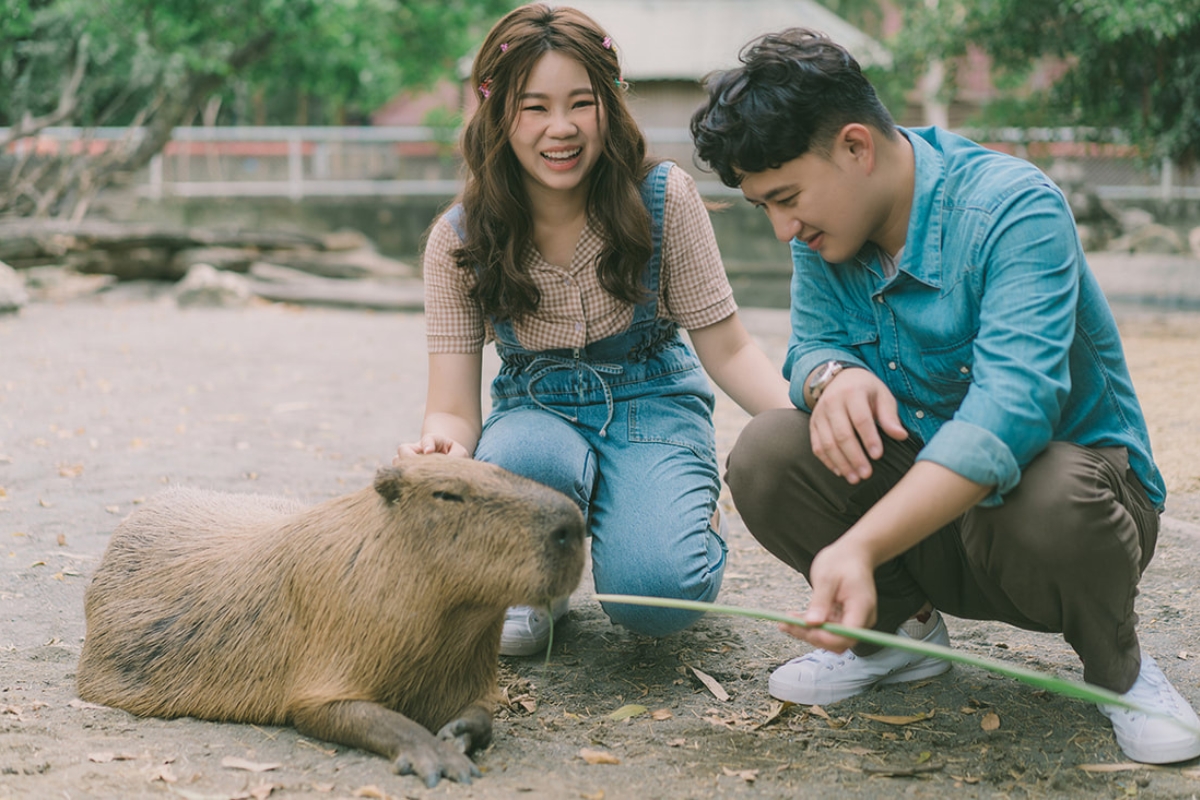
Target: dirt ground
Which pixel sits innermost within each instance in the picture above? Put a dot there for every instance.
(104, 401)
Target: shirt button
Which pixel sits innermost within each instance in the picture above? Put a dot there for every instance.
(566, 281)
(891, 365)
(964, 370)
(578, 326)
(920, 414)
(880, 299)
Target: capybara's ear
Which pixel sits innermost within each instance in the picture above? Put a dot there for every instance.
(388, 483)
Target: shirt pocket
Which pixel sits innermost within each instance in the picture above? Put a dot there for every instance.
(863, 338)
(683, 420)
(950, 369)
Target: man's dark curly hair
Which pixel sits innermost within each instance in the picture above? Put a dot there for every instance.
(794, 91)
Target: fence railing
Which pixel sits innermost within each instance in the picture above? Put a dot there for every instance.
(297, 162)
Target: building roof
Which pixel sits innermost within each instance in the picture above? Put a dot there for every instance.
(687, 39)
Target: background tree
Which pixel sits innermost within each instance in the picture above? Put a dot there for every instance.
(151, 65)
(1129, 64)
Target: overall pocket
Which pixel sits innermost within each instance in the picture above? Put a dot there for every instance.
(684, 420)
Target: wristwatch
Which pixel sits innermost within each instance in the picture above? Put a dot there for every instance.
(824, 375)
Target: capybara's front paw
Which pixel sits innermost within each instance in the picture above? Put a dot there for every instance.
(431, 761)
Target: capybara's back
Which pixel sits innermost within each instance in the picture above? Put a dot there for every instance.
(255, 609)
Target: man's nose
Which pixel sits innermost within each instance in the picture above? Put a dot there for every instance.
(785, 225)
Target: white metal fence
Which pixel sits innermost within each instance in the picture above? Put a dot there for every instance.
(298, 162)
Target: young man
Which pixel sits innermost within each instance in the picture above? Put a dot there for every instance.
(966, 436)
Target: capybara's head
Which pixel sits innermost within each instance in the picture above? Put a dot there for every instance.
(481, 533)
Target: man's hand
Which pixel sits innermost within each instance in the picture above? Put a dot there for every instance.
(847, 420)
(843, 581)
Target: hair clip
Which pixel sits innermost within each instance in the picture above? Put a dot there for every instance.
(485, 88)
(607, 43)
(504, 47)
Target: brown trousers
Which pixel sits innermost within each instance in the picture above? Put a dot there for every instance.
(1062, 554)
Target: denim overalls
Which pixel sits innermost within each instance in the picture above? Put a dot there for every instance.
(624, 427)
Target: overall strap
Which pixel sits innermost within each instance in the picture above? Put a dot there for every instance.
(654, 195)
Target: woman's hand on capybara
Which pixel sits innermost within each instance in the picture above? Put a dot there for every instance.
(430, 443)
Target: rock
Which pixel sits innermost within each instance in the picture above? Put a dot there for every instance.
(1151, 238)
(56, 284)
(127, 264)
(1194, 241)
(345, 239)
(12, 290)
(364, 262)
(1093, 237)
(283, 284)
(229, 259)
(206, 286)
(1134, 219)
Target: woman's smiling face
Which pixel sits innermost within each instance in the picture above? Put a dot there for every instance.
(558, 133)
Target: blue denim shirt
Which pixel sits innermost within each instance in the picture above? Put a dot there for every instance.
(993, 334)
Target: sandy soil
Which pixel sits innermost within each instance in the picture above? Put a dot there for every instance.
(104, 401)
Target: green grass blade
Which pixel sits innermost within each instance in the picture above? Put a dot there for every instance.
(1066, 688)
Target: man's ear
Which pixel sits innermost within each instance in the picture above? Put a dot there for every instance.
(858, 142)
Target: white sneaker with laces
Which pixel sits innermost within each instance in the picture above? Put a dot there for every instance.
(1152, 739)
(527, 628)
(823, 677)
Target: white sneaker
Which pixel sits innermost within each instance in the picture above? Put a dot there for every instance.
(823, 677)
(527, 628)
(1151, 739)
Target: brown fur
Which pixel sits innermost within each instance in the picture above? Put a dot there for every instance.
(246, 608)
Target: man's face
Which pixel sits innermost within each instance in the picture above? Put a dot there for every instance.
(821, 199)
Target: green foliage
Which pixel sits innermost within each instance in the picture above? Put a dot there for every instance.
(155, 64)
(352, 54)
(1132, 64)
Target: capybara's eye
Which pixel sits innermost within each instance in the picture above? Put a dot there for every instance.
(448, 496)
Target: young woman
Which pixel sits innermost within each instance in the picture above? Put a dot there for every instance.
(581, 259)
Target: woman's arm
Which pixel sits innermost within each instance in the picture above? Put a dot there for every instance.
(453, 412)
(739, 366)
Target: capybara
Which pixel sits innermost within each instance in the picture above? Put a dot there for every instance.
(370, 620)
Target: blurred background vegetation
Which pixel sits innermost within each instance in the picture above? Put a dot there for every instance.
(152, 65)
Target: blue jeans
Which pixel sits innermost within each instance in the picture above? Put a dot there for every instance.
(648, 486)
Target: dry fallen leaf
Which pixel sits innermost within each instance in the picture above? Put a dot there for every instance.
(711, 683)
(591, 756)
(232, 762)
(676, 742)
(748, 775)
(892, 720)
(593, 796)
(77, 703)
(62, 540)
(990, 721)
(774, 712)
(627, 711)
(661, 714)
(370, 791)
(70, 470)
(106, 757)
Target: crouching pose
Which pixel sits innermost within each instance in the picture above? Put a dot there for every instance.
(966, 437)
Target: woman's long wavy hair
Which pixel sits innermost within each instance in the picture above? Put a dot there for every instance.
(497, 213)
